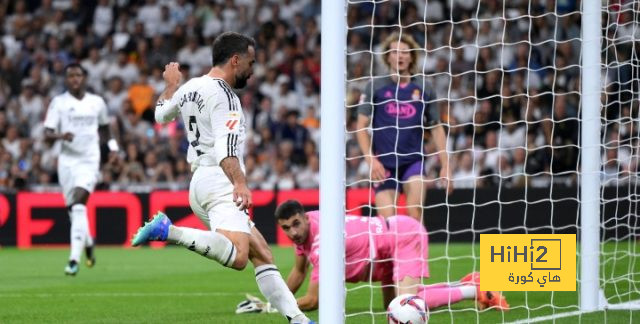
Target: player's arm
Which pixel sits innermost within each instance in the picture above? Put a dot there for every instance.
(241, 193)
(166, 108)
(309, 301)
(298, 273)
(104, 129)
(52, 123)
(439, 135)
(365, 111)
(104, 132)
(51, 136)
(225, 121)
(363, 136)
(440, 138)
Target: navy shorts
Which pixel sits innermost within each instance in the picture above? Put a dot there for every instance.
(402, 173)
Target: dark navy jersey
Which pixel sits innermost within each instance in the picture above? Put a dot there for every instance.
(400, 114)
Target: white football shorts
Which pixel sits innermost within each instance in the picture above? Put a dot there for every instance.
(211, 199)
(83, 174)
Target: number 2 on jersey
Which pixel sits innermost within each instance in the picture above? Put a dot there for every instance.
(193, 126)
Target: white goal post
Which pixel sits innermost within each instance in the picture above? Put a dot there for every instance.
(332, 157)
(590, 157)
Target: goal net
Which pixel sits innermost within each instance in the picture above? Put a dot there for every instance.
(505, 80)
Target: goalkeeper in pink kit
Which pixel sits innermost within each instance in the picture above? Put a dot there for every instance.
(391, 251)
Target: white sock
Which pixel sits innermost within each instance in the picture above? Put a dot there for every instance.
(88, 241)
(468, 291)
(211, 245)
(273, 287)
(79, 230)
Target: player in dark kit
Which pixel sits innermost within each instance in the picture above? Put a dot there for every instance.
(399, 108)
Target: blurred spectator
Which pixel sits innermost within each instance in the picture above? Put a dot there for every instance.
(77, 15)
(564, 138)
(4, 125)
(151, 15)
(512, 134)
(309, 98)
(196, 56)
(311, 121)
(31, 104)
(292, 131)
(10, 75)
(309, 176)
(466, 174)
(284, 98)
(11, 142)
(96, 69)
(102, 18)
(17, 22)
(117, 96)
(157, 171)
(492, 154)
(134, 126)
(141, 95)
(611, 167)
(518, 170)
(122, 68)
(256, 174)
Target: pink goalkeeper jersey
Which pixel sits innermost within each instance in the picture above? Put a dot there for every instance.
(367, 240)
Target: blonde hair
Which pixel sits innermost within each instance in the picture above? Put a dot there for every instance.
(404, 38)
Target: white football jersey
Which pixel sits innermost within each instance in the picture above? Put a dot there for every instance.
(82, 117)
(213, 119)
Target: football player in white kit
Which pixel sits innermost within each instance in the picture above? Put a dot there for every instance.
(80, 120)
(218, 192)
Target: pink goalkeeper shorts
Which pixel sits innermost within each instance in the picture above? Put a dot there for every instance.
(409, 244)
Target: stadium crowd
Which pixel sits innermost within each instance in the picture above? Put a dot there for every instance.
(506, 76)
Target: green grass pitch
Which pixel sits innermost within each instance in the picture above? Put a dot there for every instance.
(174, 285)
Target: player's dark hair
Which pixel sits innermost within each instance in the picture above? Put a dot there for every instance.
(289, 209)
(75, 65)
(229, 44)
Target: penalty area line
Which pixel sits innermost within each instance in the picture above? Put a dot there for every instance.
(546, 318)
(632, 306)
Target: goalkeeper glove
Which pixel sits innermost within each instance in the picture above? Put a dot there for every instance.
(254, 305)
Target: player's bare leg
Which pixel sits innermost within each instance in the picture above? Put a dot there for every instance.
(80, 237)
(388, 294)
(416, 191)
(409, 285)
(386, 203)
(259, 250)
(270, 281)
(240, 241)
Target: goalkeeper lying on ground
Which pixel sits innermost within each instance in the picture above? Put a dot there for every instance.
(399, 248)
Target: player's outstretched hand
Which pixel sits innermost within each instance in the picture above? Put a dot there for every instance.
(242, 196)
(67, 136)
(172, 74)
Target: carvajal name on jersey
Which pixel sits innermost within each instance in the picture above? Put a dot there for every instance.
(192, 96)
